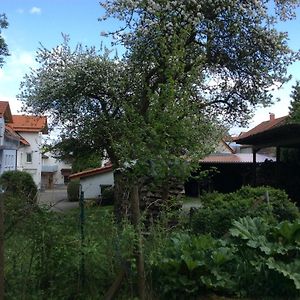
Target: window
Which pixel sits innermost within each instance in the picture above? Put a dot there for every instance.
(29, 157)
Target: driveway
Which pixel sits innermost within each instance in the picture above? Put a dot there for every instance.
(56, 199)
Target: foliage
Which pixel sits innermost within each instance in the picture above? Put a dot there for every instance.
(20, 199)
(99, 106)
(19, 183)
(3, 45)
(205, 45)
(80, 155)
(73, 190)
(188, 67)
(219, 210)
(269, 257)
(258, 260)
(47, 250)
(88, 161)
(294, 109)
(188, 266)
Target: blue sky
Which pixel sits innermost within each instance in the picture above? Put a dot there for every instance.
(32, 22)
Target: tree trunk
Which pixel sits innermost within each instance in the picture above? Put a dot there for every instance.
(121, 196)
(140, 262)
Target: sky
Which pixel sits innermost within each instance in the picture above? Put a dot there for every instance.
(36, 22)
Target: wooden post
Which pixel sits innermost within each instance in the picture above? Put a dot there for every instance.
(140, 262)
(1, 245)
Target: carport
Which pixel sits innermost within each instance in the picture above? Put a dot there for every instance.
(282, 136)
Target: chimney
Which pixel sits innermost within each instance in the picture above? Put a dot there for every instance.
(272, 116)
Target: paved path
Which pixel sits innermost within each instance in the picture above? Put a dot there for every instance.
(56, 199)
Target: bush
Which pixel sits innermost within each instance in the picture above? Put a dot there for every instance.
(19, 183)
(188, 266)
(47, 248)
(219, 210)
(256, 260)
(19, 199)
(73, 190)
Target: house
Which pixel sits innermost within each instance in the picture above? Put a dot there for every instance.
(30, 130)
(9, 140)
(94, 181)
(54, 171)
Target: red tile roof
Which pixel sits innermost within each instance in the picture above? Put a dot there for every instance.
(92, 172)
(264, 126)
(5, 111)
(236, 158)
(29, 123)
(11, 133)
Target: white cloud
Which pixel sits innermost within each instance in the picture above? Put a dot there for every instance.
(20, 10)
(35, 10)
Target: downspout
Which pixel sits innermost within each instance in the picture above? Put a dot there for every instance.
(16, 165)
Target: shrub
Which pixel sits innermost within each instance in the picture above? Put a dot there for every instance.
(188, 266)
(20, 199)
(267, 258)
(19, 183)
(73, 190)
(219, 210)
(257, 260)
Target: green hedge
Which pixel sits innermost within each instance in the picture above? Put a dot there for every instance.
(73, 190)
(219, 210)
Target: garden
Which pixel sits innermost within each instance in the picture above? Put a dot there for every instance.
(239, 245)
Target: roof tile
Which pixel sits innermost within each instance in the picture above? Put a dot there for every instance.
(264, 126)
(24, 123)
(92, 172)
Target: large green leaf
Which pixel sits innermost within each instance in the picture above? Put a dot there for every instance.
(290, 271)
(289, 230)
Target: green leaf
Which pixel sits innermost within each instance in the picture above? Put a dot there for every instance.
(290, 271)
(289, 230)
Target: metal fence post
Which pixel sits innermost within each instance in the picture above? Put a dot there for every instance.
(82, 244)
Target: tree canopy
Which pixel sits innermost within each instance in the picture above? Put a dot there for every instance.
(189, 66)
(294, 113)
(231, 49)
(3, 45)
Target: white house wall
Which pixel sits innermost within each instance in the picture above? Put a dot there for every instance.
(2, 130)
(58, 178)
(91, 185)
(34, 167)
(8, 151)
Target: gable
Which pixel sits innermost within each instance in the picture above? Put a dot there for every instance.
(5, 111)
